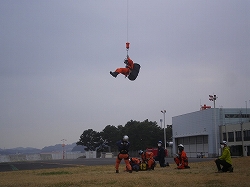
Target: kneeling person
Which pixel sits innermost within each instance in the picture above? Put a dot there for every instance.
(225, 159)
(148, 158)
(181, 158)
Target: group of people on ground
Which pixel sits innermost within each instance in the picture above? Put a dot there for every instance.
(147, 159)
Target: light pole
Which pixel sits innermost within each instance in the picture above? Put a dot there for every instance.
(164, 112)
(161, 122)
(63, 145)
(246, 111)
(241, 129)
(213, 98)
(249, 114)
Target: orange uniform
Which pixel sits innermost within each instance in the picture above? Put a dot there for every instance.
(135, 163)
(125, 71)
(123, 147)
(148, 157)
(181, 160)
(126, 160)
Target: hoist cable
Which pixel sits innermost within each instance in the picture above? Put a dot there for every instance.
(127, 44)
(127, 20)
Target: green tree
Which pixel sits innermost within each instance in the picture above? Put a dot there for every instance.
(142, 135)
(111, 135)
(91, 139)
(169, 135)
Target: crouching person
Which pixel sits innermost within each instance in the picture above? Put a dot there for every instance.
(181, 158)
(148, 158)
(225, 159)
(135, 164)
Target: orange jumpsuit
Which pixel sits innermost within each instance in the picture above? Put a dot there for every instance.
(135, 163)
(148, 157)
(125, 71)
(181, 160)
(123, 149)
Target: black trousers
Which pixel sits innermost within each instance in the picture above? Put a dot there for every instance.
(162, 162)
(223, 163)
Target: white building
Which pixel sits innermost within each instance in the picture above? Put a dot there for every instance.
(202, 131)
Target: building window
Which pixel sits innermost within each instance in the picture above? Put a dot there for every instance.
(205, 139)
(237, 115)
(186, 141)
(246, 135)
(238, 136)
(192, 140)
(231, 136)
(224, 136)
(199, 139)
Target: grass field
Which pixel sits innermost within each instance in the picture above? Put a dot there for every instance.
(201, 174)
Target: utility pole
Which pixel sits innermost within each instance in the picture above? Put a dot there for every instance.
(63, 145)
(164, 112)
(213, 98)
(241, 129)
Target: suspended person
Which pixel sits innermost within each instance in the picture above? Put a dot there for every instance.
(225, 159)
(123, 147)
(181, 158)
(125, 71)
(148, 158)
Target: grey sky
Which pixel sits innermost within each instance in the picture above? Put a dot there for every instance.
(55, 58)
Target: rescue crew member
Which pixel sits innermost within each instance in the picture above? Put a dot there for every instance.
(125, 71)
(135, 163)
(161, 154)
(225, 159)
(181, 158)
(148, 158)
(123, 147)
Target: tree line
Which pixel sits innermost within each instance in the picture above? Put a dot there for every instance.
(142, 135)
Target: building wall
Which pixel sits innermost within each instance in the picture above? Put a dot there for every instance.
(241, 137)
(196, 124)
(206, 123)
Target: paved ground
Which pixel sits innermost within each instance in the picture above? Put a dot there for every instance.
(47, 164)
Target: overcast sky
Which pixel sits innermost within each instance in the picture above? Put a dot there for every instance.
(55, 58)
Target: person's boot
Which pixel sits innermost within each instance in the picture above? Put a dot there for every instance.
(231, 169)
(114, 74)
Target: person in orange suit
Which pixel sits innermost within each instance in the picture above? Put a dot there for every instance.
(125, 71)
(148, 158)
(181, 158)
(135, 164)
(123, 147)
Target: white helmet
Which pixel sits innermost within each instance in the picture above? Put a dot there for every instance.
(180, 145)
(125, 138)
(223, 143)
(140, 152)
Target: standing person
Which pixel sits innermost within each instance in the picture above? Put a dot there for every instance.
(125, 71)
(148, 158)
(123, 147)
(161, 154)
(181, 158)
(225, 159)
